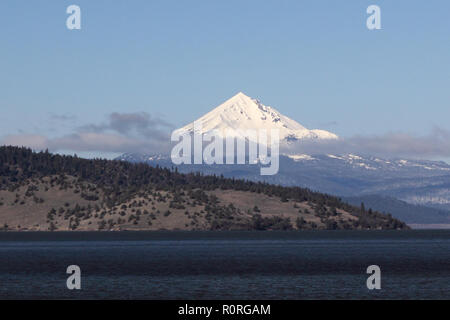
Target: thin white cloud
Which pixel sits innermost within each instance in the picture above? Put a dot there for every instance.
(34, 141)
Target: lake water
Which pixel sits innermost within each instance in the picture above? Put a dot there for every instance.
(226, 265)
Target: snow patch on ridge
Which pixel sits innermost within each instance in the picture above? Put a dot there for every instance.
(301, 157)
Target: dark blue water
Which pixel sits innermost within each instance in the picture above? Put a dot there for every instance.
(226, 265)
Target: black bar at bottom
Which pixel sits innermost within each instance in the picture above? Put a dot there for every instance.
(224, 309)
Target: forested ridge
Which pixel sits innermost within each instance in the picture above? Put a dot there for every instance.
(118, 195)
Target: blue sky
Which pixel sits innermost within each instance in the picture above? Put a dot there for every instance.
(315, 61)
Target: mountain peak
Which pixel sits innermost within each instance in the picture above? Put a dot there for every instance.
(240, 99)
(242, 112)
(240, 94)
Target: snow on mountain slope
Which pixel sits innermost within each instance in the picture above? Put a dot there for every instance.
(243, 113)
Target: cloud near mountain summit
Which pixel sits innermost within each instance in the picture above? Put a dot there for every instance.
(390, 145)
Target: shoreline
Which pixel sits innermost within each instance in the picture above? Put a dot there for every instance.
(307, 235)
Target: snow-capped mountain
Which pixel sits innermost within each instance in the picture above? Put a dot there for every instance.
(241, 113)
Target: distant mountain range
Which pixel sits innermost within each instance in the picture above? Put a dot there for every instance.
(416, 182)
(409, 213)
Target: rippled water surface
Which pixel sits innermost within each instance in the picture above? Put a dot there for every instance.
(226, 265)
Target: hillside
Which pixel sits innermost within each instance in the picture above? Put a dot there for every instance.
(42, 191)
